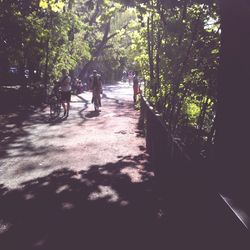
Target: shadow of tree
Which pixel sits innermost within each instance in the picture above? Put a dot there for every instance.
(14, 126)
(92, 114)
(111, 206)
(114, 206)
(81, 112)
(11, 128)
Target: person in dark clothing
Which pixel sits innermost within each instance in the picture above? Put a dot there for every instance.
(65, 83)
(96, 88)
(136, 86)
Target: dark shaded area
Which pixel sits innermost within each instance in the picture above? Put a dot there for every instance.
(11, 127)
(92, 114)
(70, 210)
(124, 108)
(103, 208)
(231, 163)
(196, 215)
(21, 96)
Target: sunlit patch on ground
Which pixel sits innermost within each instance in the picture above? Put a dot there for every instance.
(105, 192)
(77, 176)
(67, 206)
(4, 227)
(39, 243)
(62, 188)
(124, 203)
(136, 174)
(10, 125)
(29, 196)
(45, 184)
(87, 182)
(161, 213)
(105, 172)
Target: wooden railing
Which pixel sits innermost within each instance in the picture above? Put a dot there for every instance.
(176, 170)
(166, 152)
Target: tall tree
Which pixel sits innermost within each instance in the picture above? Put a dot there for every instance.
(232, 128)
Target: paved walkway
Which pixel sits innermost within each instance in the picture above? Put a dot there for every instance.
(34, 147)
(80, 183)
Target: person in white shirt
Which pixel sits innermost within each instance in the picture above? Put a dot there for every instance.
(65, 83)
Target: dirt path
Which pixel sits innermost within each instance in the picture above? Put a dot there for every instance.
(80, 183)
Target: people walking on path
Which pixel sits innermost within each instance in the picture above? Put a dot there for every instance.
(130, 76)
(136, 86)
(65, 83)
(96, 88)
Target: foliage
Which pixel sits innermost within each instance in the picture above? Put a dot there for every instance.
(176, 45)
(46, 35)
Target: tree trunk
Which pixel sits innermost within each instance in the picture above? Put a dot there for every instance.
(183, 18)
(98, 50)
(150, 53)
(157, 63)
(92, 19)
(232, 127)
(70, 4)
(45, 78)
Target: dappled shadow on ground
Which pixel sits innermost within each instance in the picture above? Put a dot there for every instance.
(18, 125)
(17, 133)
(121, 108)
(55, 120)
(115, 206)
(110, 206)
(92, 114)
(115, 99)
(11, 127)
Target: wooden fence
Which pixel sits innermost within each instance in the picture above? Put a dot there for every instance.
(178, 174)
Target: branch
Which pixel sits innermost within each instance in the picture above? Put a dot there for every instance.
(93, 17)
(116, 33)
